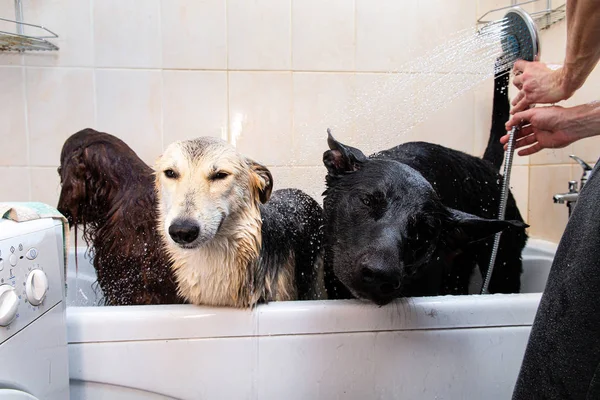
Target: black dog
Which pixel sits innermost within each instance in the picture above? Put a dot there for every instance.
(414, 220)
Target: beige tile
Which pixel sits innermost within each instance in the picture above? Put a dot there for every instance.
(445, 121)
(15, 184)
(443, 31)
(71, 20)
(128, 105)
(194, 104)
(127, 33)
(310, 180)
(553, 43)
(385, 103)
(45, 185)
(383, 42)
(260, 115)
(194, 34)
(60, 102)
(519, 186)
(259, 34)
(321, 101)
(323, 35)
(13, 131)
(547, 220)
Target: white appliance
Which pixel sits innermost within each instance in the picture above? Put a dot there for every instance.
(33, 335)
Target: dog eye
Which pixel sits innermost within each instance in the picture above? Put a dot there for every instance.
(169, 173)
(219, 176)
(366, 201)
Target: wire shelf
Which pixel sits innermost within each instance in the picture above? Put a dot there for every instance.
(19, 41)
(543, 19)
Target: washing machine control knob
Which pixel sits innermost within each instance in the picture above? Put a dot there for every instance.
(9, 304)
(36, 287)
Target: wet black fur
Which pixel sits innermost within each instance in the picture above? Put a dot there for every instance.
(401, 213)
(292, 226)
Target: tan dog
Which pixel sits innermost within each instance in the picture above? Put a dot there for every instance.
(229, 244)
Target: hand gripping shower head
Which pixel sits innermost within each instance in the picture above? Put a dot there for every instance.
(520, 40)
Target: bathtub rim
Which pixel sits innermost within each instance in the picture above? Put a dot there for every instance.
(172, 322)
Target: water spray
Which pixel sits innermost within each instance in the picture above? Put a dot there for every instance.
(521, 41)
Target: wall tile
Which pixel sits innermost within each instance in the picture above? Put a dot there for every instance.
(15, 184)
(311, 180)
(45, 185)
(519, 186)
(321, 101)
(194, 34)
(60, 103)
(436, 126)
(260, 115)
(323, 35)
(194, 104)
(547, 220)
(127, 33)
(13, 131)
(259, 34)
(71, 20)
(128, 105)
(553, 43)
(385, 34)
(384, 106)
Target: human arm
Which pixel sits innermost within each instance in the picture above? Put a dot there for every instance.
(553, 127)
(539, 84)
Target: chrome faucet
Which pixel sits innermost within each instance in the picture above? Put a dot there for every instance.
(570, 198)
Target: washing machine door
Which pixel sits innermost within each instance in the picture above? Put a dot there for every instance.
(10, 394)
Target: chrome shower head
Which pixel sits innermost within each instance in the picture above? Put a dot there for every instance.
(520, 38)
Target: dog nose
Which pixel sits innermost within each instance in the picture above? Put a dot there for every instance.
(184, 231)
(382, 279)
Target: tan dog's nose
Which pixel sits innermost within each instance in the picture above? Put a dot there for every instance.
(184, 231)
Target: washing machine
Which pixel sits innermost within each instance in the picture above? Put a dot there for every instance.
(33, 333)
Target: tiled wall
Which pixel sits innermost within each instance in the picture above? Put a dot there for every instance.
(267, 75)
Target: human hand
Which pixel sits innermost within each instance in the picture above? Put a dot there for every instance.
(543, 128)
(538, 84)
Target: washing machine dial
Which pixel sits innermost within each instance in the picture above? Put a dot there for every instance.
(36, 286)
(9, 304)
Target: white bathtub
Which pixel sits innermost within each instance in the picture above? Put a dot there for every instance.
(449, 347)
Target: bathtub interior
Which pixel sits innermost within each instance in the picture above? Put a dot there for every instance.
(426, 348)
(83, 290)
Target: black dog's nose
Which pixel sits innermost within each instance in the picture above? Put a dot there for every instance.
(184, 231)
(383, 280)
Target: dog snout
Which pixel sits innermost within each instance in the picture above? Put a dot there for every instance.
(378, 277)
(184, 231)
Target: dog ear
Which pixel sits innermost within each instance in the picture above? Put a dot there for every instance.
(465, 228)
(341, 159)
(262, 180)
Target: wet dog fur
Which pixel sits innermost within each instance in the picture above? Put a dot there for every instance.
(416, 219)
(233, 242)
(108, 191)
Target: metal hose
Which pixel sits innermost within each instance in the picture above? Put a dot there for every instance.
(508, 160)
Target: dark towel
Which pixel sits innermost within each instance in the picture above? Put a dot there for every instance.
(562, 359)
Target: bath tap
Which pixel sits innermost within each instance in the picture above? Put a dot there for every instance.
(570, 198)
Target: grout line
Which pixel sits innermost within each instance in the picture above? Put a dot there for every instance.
(94, 83)
(227, 87)
(162, 78)
(365, 72)
(27, 135)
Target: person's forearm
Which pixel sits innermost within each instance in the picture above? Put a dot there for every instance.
(583, 42)
(585, 120)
